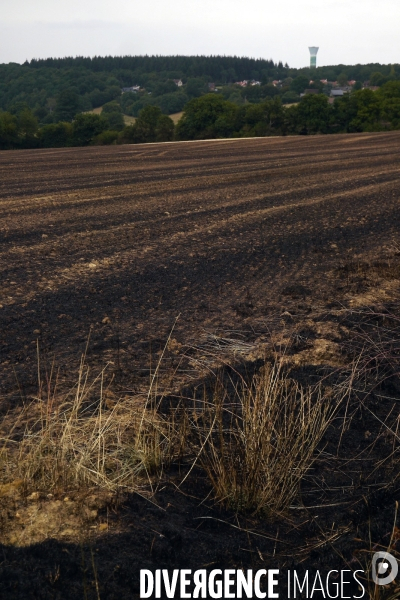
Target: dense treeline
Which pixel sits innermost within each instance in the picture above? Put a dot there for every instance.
(41, 84)
(47, 103)
(211, 116)
(364, 110)
(22, 130)
(221, 68)
(98, 80)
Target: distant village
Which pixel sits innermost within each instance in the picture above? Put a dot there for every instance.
(334, 89)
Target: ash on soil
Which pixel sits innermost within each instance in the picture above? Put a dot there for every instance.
(271, 242)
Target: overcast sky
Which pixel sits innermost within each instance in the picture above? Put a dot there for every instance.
(347, 31)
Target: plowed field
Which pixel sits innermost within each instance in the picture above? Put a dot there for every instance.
(229, 249)
(125, 239)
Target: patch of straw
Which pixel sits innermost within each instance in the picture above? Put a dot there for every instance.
(75, 440)
(257, 448)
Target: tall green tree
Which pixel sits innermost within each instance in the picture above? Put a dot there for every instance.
(377, 79)
(267, 118)
(86, 127)
(8, 130)
(27, 125)
(368, 109)
(112, 112)
(391, 89)
(150, 126)
(67, 105)
(312, 115)
(111, 107)
(195, 87)
(390, 112)
(200, 116)
(389, 97)
(172, 103)
(165, 129)
(299, 84)
(342, 79)
(56, 135)
(164, 87)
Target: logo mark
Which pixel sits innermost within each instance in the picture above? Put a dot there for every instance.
(384, 568)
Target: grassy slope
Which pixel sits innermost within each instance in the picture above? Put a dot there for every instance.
(131, 120)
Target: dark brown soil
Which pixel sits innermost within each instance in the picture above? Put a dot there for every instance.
(264, 243)
(220, 233)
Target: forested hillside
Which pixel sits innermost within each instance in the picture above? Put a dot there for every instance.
(43, 102)
(92, 82)
(100, 80)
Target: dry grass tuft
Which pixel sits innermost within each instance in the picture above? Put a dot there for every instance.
(64, 443)
(255, 443)
(257, 449)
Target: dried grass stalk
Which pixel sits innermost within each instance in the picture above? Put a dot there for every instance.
(261, 447)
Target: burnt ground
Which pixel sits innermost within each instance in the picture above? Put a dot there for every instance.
(256, 245)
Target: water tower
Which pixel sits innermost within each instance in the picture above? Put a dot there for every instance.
(313, 56)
